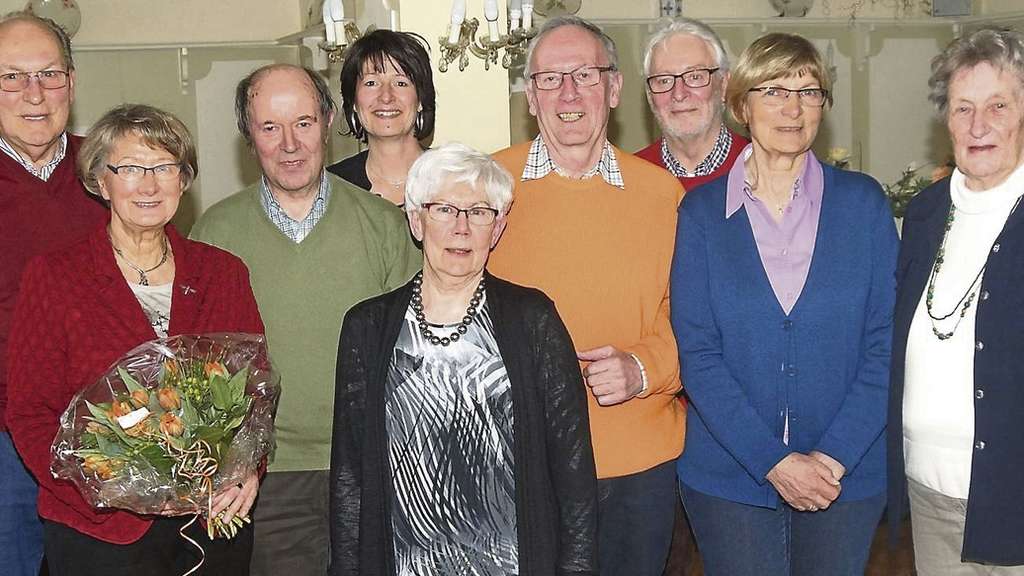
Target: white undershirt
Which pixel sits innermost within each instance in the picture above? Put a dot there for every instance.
(156, 303)
(938, 401)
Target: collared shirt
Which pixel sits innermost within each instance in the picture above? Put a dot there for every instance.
(293, 229)
(785, 246)
(539, 164)
(719, 154)
(46, 170)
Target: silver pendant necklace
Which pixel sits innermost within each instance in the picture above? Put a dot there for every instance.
(143, 280)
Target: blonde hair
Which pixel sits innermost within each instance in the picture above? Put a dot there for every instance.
(776, 55)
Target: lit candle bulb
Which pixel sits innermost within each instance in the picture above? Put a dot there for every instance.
(491, 15)
(528, 14)
(515, 12)
(458, 16)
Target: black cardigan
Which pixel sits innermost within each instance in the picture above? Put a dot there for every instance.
(995, 507)
(556, 487)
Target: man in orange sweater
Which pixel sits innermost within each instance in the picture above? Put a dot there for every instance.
(594, 228)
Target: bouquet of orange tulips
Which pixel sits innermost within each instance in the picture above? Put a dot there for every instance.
(170, 424)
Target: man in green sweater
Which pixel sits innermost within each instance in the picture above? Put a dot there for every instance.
(315, 245)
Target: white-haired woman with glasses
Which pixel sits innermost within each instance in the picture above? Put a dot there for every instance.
(131, 280)
(461, 440)
(782, 294)
(956, 439)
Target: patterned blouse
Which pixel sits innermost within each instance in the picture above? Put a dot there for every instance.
(449, 425)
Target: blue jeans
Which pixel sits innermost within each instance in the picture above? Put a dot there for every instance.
(21, 532)
(635, 518)
(738, 539)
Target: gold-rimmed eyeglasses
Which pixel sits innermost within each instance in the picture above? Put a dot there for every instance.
(48, 79)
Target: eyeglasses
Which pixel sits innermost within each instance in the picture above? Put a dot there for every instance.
(446, 213)
(134, 172)
(696, 78)
(48, 79)
(777, 96)
(583, 76)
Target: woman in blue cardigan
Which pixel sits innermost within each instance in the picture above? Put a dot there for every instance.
(782, 294)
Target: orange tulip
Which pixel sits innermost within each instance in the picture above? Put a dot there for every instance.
(168, 398)
(171, 424)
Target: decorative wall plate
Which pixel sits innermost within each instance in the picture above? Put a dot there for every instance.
(557, 7)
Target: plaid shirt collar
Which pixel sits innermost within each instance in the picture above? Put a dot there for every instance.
(46, 170)
(293, 229)
(539, 164)
(709, 164)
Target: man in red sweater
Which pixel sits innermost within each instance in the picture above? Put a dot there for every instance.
(687, 70)
(42, 207)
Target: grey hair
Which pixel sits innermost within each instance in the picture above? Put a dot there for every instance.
(1002, 48)
(688, 27)
(243, 97)
(60, 36)
(569, 20)
(456, 163)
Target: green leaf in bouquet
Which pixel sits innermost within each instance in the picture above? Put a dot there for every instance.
(221, 393)
(179, 442)
(156, 456)
(88, 440)
(234, 422)
(99, 412)
(129, 381)
(189, 415)
(237, 385)
(211, 434)
(108, 447)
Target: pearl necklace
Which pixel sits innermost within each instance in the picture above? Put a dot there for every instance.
(421, 318)
(143, 280)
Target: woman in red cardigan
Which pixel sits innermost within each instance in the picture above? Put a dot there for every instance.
(80, 309)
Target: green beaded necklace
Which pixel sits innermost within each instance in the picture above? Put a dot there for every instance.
(968, 298)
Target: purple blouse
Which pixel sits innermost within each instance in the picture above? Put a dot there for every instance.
(785, 246)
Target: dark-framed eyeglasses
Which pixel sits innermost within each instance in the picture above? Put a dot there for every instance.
(134, 172)
(48, 79)
(446, 213)
(582, 76)
(777, 96)
(696, 78)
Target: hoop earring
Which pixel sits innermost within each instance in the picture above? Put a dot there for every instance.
(357, 128)
(419, 124)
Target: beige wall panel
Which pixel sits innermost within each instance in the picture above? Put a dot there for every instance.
(472, 104)
(106, 78)
(904, 127)
(106, 22)
(226, 162)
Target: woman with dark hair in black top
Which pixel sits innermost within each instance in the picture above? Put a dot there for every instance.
(387, 97)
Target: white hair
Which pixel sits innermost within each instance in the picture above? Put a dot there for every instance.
(688, 27)
(456, 163)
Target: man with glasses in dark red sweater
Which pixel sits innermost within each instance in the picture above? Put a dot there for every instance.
(43, 206)
(687, 70)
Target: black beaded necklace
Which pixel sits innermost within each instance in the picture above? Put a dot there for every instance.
(421, 318)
